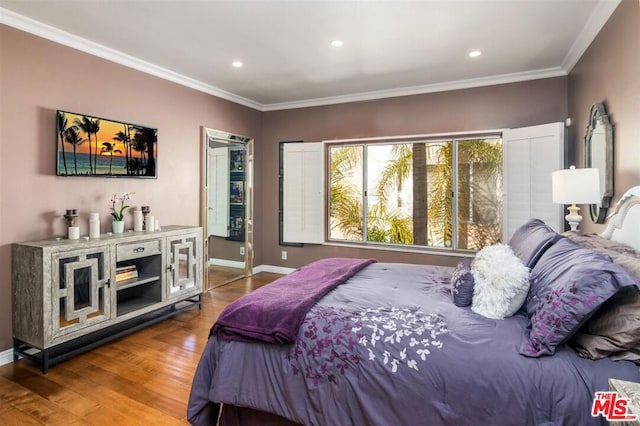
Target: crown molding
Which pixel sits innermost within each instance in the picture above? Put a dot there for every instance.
(598, 18)
(48, 32)
(419, 90)
(601, 14)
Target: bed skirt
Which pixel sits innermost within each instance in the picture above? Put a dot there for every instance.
(241, 416)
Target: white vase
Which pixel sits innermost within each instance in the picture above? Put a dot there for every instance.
(118, 226)
(149, 223)
(94, 225)
(138, 220)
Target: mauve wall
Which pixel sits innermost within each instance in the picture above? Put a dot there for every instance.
(502, 106)
(36, 78)
(609, 71)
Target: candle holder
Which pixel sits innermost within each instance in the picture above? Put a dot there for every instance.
(70, 216)
(145, 211)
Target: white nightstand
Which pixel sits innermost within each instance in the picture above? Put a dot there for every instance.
(631, 391)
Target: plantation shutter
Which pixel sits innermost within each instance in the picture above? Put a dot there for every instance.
(218, 206)
(303, 193)
(530, 155)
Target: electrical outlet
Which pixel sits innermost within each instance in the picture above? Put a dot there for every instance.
(284, 255)
(242, 251)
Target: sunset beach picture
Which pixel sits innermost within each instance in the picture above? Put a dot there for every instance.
(92, 146)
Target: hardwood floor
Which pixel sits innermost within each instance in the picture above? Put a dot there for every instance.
(222, 275)
(140, 379)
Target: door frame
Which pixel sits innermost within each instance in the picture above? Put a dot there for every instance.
(207, 135)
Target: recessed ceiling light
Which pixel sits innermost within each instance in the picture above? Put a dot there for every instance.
(237, 64)
(475, 53)
(336, 43)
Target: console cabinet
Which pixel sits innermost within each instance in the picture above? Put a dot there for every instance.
(74, 295)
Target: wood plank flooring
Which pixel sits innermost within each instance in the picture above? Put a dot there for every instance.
(221, 275)
(140, 379)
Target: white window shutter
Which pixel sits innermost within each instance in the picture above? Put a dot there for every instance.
(303, 193)
(531, 154)
(218, 206)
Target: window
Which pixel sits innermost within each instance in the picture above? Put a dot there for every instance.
(403, 192)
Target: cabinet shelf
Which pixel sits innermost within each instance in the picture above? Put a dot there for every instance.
(137, 296)
(141, 279)
(237, 196)
(134, 304)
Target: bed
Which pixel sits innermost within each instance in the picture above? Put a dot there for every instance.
(388, 345)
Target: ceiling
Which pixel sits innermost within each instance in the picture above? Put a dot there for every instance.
(391, 48)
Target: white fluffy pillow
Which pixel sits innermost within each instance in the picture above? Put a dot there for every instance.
(501, 282)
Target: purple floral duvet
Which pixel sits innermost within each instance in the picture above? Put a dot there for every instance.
(389, 347)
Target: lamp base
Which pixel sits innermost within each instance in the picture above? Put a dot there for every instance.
(573, 217)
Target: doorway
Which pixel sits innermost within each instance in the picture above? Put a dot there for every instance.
(227, 200)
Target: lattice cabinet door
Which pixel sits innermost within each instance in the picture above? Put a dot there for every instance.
(184, 264)
(81, 289)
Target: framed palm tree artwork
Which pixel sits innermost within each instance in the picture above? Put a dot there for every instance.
(93, 146)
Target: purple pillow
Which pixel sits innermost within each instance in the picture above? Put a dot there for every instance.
(531, 240)
(568, 284)
(462, 283)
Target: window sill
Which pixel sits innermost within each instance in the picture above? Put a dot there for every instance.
(416, 250)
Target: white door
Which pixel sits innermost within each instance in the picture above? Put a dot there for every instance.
(218, 208)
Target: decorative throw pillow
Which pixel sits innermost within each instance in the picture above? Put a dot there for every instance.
(501, 282)
(462, 283)
(613, 331)
(622, 254)
(568, 284)
(531, 240)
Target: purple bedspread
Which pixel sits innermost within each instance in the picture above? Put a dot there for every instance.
(389, 347)
(274, 313)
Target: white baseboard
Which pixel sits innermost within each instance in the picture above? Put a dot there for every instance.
(272, 268)
(6, 357)
(228, 263)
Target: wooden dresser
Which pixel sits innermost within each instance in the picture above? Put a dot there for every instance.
(630, 391)
(72, 295)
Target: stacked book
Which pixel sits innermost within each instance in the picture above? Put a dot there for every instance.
(126, 272)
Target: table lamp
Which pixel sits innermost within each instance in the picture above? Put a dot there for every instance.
(575, 186)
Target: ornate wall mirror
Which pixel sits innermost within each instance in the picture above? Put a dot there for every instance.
(226, 212)
(599, 154)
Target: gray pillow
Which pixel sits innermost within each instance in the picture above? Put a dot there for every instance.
(462, 283)
(630, 263)
(614, 330)
(596, 242)
(531, 240)
(622, 254)
(568, 284)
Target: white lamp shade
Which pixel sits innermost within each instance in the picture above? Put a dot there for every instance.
(576, 186)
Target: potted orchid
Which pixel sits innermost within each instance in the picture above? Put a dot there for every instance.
(118, 212)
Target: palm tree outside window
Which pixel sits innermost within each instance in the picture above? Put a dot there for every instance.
(407, 191)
